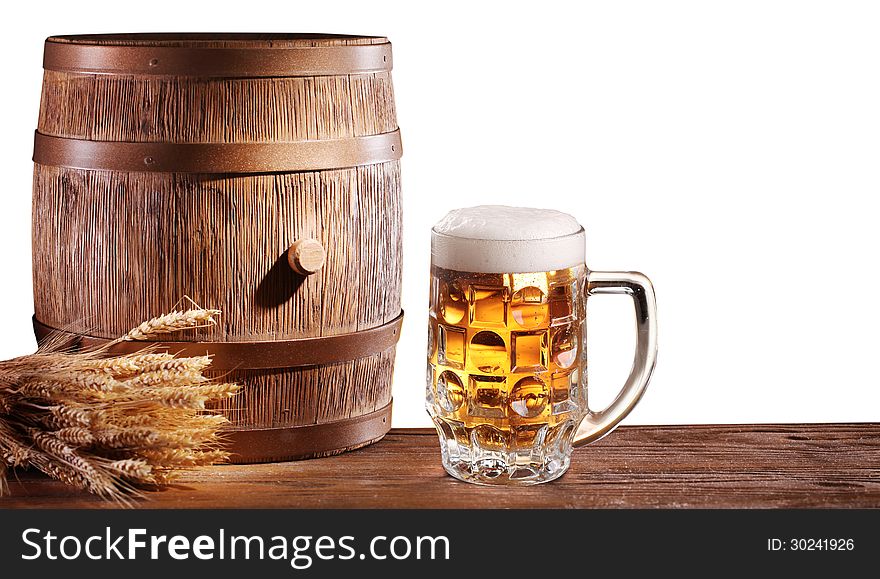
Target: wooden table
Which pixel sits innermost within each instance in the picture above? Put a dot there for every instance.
(764, 466)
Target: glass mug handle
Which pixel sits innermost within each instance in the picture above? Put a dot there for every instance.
(597, 424)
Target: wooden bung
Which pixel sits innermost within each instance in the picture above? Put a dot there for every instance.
(306, 256)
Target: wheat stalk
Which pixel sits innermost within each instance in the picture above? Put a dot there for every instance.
(128, 364)
(173, 322)
(112, 425)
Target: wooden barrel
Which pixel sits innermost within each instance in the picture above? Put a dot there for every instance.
(172, 165)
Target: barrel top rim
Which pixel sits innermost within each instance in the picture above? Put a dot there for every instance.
(218, 39)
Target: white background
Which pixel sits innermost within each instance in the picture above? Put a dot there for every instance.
(729, 150)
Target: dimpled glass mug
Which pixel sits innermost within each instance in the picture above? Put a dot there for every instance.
(507, 359)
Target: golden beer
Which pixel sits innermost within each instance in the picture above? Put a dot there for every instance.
(504, 371)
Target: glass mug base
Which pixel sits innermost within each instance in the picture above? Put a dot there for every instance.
(498, 472)
(481, 454)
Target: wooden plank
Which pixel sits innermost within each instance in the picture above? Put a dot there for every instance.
(733, 466)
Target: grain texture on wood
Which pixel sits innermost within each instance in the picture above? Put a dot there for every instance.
(113, 249)
(737, 466)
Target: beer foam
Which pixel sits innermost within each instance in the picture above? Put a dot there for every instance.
(501, 239)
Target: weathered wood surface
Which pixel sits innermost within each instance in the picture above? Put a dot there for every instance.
(735, 466)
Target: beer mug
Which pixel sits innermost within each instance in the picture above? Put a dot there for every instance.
(507, 356)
